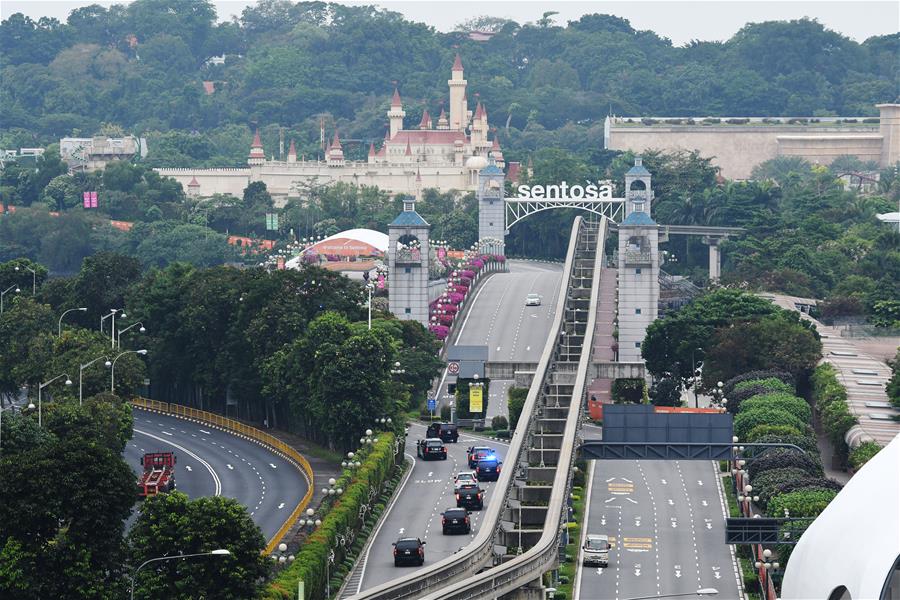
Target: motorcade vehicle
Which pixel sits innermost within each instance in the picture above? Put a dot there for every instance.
(455, 520)
(431, 449)
(595, 551)
(533, 300)
(464, 478)
(158, 474)
(488, 469)
(448, 432)
(476, 453)
(409, 551)
(470, 498)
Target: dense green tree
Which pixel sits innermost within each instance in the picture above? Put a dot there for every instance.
(172, 524)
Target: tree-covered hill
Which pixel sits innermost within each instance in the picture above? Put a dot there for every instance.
(140, 67)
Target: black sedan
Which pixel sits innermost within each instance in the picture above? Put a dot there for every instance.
(409, 551)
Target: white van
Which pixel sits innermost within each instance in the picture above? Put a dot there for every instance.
(596, 550)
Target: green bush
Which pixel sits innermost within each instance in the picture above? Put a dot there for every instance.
(787, 402)
(781, 458)
(517, 397)
(765, 483)
(761, 431)
(825, 387)
(837, 421)
(764, 415)
(807, 443)
(771, 383)
(309, 565)
(729, 387)
(802, 503)
(863, 453)
(499, 422)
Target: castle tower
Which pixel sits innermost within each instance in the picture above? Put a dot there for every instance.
(442, 122)
(257, 155)
(496, 153)
(425, 123)
(478, 134)
(396, 114)
(408, 252)
(371, 157)
(418, 185)
(335, 157)
(193, 187)
(638, 264)
(889, 128)
(292, 153)
(458, 108)
(490, 194)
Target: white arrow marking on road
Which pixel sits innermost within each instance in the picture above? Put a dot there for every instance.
(281, 505)
(716, 573)
(230, 467)
(631, 500)
(273, 466)
(498, 348)
(704, 503)
(663, 481)
(402, 529)
(699, 482)
(188, 468)
(603, 520)
(628, 480)
(677, 573)
(674, 522)
(610, 479)
(527, 348)
(610, 500)
(637, 572)
(430, 473)
(708, 523)
(671, 502)
(205, 431)
(599, 570)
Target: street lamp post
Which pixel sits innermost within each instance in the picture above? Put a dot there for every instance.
(112, 375)
(369, 287)
(219, 552)
(121, 331)
(81, 369)
(41, 387)
(33, 279)
(59, 323)
(112, 333)
(3, 293)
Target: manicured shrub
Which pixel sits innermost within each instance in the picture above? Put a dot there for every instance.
(760, 431)
(765, 483)
(825, 386)
(771, 383)
(802, 503)
(499, 422)
(764, 415)
(781, 458)
(738, 397)
(806, 442)
(787, 402)
(837, 421)
(862, 453)
(806, 483)
(728, 387)
(830, 399)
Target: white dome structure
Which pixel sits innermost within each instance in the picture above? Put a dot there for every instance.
(476, 162)
(852, 550)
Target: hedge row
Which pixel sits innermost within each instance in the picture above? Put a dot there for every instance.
(787, 402)
(830, 399)
(729, 386)
(310, 564)
(862, 454)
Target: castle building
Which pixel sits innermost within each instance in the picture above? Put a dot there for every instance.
(445, 154)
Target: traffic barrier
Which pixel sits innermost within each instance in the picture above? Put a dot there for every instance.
(249, 432)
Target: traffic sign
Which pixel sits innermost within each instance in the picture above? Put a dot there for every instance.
(453, 368)
(432, 404)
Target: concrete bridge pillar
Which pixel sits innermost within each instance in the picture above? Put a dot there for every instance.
(408, 261)
(715, 257)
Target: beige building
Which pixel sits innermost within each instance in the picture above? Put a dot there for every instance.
(444, 153)
(737, 148)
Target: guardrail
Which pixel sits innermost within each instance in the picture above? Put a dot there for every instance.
(249, 432)
(464, 564)
(542, 556)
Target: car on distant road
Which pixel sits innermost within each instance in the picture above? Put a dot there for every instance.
(448, 432)
(533, 300)
(409, 551)
(464, 478)
(476, 453)
(470, 498)
(488, 469)
(455, 520)
(431, 448)
(595, 551)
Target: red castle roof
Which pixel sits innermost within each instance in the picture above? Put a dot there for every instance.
(396, 101)
(457, 63)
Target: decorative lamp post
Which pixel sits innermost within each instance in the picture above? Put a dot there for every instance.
(81, 369)
(33, 279)
(3, 293)
(219, 552)
(121, 331)
(112, 377)
(41, 387)
(59, 323)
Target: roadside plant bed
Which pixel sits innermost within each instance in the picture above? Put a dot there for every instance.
(343, 519)
(830, 400)
(862, 454)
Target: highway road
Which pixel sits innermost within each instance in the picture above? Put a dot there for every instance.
(212, 462)
(416, 512)
(666, 522)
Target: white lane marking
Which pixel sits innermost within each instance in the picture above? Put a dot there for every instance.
(188, 468)
(402, 529)
(628, 480)
(215, 476)
(280, 506)
(230, 468)
(384, 519)
(576, 590)
(631, 500)
(206, 432)
(607, 501)
(704, 503)
(273, 466)
(734, 564)
(167, 433)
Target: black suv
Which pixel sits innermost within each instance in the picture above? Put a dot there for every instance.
(456, 520)
(432, 448)
(470, 498)
(476, 453)
(409, 551)
(448, 432)
(488, 469)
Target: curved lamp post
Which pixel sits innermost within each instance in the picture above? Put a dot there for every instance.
(112, 375)
(112, 332)
(3, 293)
(219, 552)
(81, 369)
(33, 278)
(41, 387)
(121, 331)
(59, 323)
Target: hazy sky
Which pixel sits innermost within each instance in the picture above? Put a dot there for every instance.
(679, 20)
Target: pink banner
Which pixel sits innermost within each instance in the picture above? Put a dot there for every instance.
(86, 199)
(381, 282)
(93, 199)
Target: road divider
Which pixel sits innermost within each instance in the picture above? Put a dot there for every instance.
(250, 433)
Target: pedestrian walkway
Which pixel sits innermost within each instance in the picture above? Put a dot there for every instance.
(863, 376)
(602, 351)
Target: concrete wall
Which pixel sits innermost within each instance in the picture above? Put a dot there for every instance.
(212, 181)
